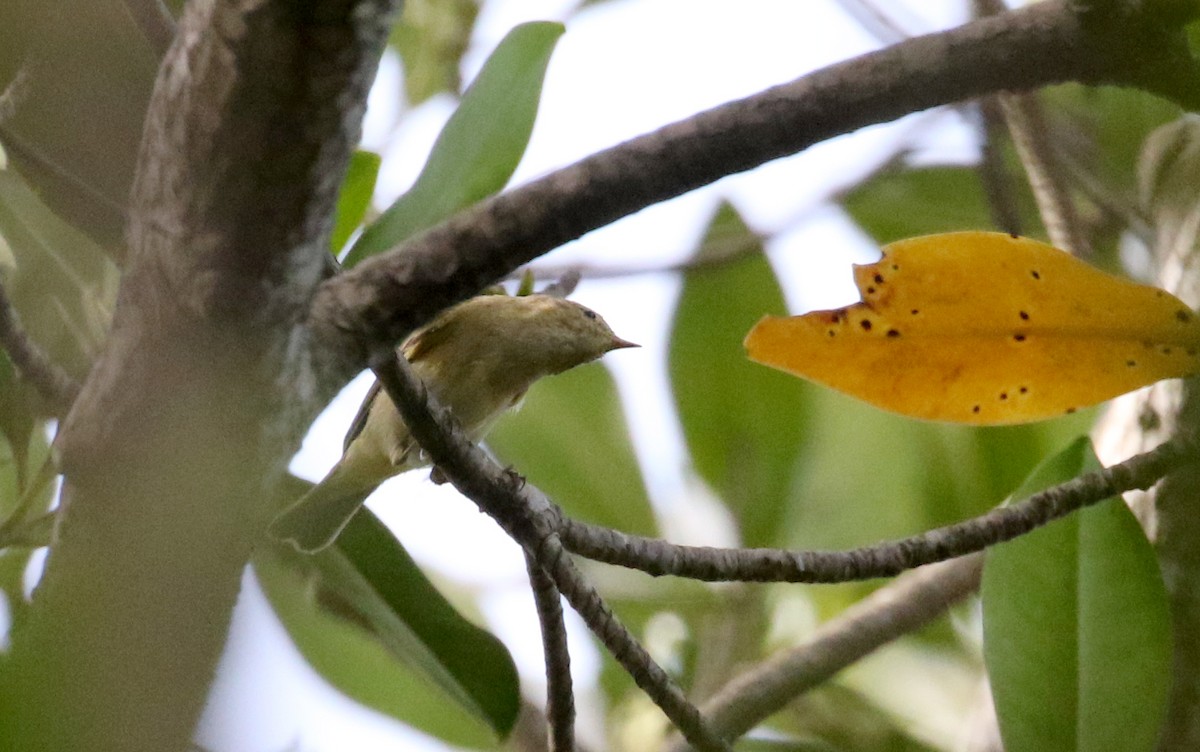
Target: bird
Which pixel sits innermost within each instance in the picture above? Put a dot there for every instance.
(477, 358)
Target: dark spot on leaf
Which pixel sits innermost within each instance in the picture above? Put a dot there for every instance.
(1159, 293)
(1019, 337)
(1003, 396)
(879, 279)
(1183, 316)
(865, 324)
(832, 333)
(1070, 410)
(1036, 274)
(895, 267)
(1023, 390)
(1131, 363)
(1024, 316)
(975, 409)
(870, 290)
(915, 311)
(1166, 351)
(893, 332)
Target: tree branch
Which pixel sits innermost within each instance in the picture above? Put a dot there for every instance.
(560, 699)
(912, 601)
(53, 383)
(527, 516)
(387, 296)
(1026, 121)
(657, 557)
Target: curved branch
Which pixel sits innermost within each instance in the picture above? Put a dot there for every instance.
(656, 557)
(527, 516)
(53, 383)
(909, 603)
(1043, 43)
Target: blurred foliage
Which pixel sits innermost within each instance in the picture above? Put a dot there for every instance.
(898, 200)
(431, 37)
(61, 283)
(79, 79)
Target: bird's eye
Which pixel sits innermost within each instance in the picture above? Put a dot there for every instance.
(589, 314)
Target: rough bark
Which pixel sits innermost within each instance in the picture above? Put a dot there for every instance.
(205, 384)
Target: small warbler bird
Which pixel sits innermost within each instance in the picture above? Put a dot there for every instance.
(477, 358)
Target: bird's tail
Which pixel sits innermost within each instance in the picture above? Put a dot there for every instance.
(316, 519)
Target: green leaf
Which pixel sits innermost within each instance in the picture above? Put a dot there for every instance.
(570, 440)
(431, 38)
(355, 197)
(63, 286)
(1076, 627)
(744, 424)
(900, 203)
(480, 146)
(1106, 127)
(372, 624)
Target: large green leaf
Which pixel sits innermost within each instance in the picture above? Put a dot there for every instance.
(480, 146)
(367, 618)
(355, 197)
(571, 441)
(745, 425)
(1076, 627)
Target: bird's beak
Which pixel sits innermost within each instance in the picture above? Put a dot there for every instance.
(618, 343)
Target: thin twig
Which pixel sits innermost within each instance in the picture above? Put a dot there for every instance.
(54, 384)
(657, 557)
(912, 601)
(1027, 124)
(529, 518)
(560, 698)
(994, 174)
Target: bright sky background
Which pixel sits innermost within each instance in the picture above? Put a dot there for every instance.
(622, 68)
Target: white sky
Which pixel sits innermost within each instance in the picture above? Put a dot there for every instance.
(622, 68)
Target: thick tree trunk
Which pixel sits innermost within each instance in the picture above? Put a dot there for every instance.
(206, 382)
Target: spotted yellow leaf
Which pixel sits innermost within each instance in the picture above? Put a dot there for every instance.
(985, 328)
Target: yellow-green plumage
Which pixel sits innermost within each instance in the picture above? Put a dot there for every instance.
(477, 358)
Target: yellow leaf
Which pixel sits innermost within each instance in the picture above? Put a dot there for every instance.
(985, 328)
